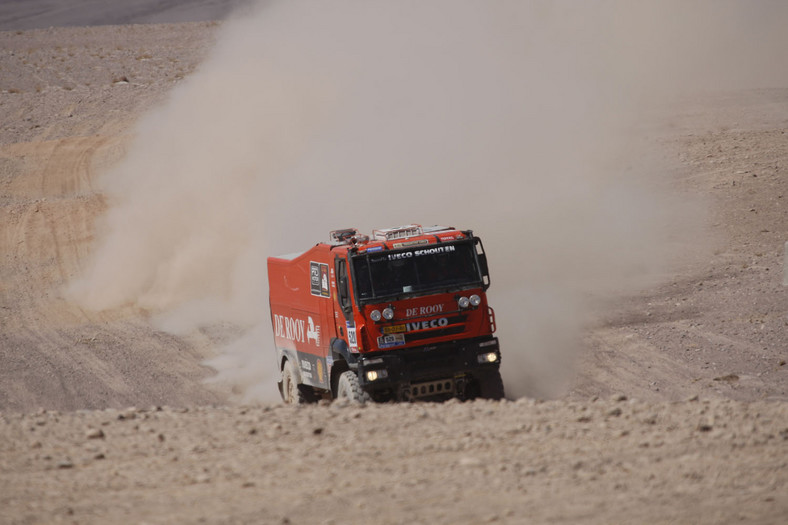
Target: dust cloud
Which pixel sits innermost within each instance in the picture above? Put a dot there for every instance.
(529, 122)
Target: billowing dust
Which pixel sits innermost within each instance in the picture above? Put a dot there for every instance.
(529, 122)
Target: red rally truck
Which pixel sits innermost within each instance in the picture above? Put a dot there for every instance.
(399, 316)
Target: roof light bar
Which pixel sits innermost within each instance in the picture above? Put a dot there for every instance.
(400, 232)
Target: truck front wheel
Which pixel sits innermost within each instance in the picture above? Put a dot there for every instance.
(348, 387)
(491, 385)
(291, 393)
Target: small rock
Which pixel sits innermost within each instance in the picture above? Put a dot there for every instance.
(615, 412)
(317, 431)
(65, 464)
(468, 461)
(95, 433)
(650, 420)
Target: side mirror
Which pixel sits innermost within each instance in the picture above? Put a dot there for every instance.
(483, 265)
(485, 271)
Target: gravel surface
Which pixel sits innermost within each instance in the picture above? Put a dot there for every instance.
(601, 461)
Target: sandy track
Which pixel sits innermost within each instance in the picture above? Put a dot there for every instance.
(55, 354)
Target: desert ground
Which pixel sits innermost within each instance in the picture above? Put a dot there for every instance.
(678, 413)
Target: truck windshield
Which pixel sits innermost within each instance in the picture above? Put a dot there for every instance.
(430, 267)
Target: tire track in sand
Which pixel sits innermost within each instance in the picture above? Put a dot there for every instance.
(52, 353)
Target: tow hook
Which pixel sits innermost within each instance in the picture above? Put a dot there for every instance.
(404, 393)
(459, 386)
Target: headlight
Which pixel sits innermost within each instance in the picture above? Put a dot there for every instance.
(463, 302)
(375, 315)
(388, 314)
(373, 375)
(489, 357)
(476, 300)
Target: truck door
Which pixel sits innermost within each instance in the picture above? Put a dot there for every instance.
(344, 305)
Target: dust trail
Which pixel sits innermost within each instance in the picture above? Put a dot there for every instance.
(522, 120)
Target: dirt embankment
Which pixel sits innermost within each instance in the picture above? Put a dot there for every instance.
(718, 326)
(67, 97)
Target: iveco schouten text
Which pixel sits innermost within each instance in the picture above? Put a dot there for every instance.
(399, 316)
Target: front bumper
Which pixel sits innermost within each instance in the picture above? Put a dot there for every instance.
(398, 370)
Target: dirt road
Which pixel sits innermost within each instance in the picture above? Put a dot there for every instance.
(604, 461)
(678, 413)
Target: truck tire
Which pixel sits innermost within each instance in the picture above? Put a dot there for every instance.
(291, 391)
(491, 385)
(348, 387)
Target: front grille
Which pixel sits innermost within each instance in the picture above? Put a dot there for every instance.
(432, 388)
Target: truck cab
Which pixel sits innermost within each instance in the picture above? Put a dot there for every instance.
(401, 315)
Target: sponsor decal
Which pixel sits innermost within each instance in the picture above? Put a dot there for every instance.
(289, 328)
(306, 369)
(419, 253)
(424, 325)
(325, 291)
(374, 248)
(318, 279)
(424, 310)
(415, 326)
(351, 336)
(389, 340)
(410, 243)
(310, 369)
(313, 332)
